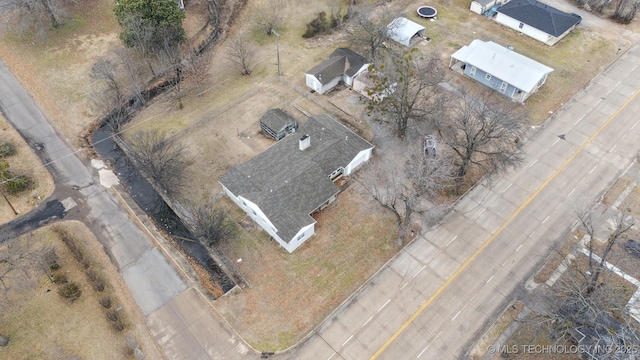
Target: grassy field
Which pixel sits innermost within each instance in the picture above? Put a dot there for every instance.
(23, 162)
(43, 325)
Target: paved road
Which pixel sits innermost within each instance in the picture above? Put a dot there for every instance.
(179, 317)
(437, 296)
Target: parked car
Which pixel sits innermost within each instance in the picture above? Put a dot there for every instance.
(633, 247)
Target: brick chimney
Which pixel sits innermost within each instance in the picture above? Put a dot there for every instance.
(305, 142)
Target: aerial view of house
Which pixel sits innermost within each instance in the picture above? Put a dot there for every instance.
(500, 68)
(197, 179)
(281, 187)
(537, 20)
(344, 65)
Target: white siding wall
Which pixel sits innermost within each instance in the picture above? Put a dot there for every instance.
(254, 212)
(302, 236)
(362, 156)
(313, 83)
(526, 29)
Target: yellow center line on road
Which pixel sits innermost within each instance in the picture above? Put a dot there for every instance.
(499, 230)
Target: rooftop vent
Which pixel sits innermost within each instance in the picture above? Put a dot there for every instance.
(305, 142)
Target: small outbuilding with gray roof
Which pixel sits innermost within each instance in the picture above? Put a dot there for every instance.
(500, 68)
(282, 186)
(537, 20)
(277, 124)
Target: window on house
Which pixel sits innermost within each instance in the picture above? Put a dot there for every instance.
(503, 86)
(521, 26)
(488, 76)
(472, 71)
(300, 237)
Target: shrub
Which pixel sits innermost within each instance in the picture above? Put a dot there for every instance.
(72, 244)
(96, 280)
(51, 259)
(60, 278)
(70, 291)
(116, 320)
(18, 183)
(317, 26)
(118, 325)
(113, 315)
(7, 148)
(105, 301)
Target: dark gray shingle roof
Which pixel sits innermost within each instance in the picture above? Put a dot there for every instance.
(289, 184)
(540, 16)
(341, 61)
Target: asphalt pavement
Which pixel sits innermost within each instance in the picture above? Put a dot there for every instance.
(172, 305)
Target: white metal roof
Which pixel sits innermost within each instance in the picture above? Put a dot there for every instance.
(503, 63)
(402, 30)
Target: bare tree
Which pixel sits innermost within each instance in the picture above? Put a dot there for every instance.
(589, 307)
(134, 73)
(212, 224)
(622, 224)
(241, 53)
(625, 11)
(410, 188)
(195, 66)
(367, 30)
(163, 161)
(18, 258)
(430, 174)
(483, 130)
(409, 85)
(38, 15)
(118, 86)
(269, 16)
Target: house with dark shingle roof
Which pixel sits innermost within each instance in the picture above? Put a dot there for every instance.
(537, 20)
(342, 66)
(282, 186)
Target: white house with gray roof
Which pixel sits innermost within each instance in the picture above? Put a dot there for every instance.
(342, 66)
(500, 68)
(282, 186)
(537, 20)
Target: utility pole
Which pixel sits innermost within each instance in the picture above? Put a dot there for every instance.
(15, 212)
(277, 51)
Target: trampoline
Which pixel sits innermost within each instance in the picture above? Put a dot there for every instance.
(427, 12)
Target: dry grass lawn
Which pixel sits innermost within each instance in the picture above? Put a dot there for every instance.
(43, 325)
(23, 162)
(290, 294)
(616, 190)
